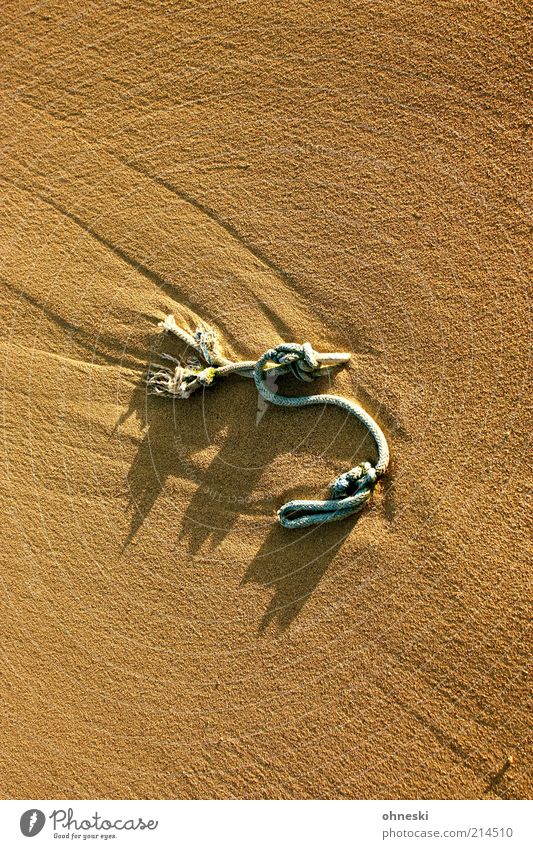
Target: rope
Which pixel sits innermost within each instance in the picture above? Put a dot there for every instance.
(352, 489)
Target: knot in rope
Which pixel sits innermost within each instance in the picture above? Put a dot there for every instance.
(350, 491)
(300, 360)
(354, 481)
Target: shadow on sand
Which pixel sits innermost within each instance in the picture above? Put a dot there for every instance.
(174, 432)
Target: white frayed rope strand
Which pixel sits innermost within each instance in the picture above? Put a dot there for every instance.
(352, 489)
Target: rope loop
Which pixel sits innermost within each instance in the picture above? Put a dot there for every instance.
(351, 490)
(349, 493)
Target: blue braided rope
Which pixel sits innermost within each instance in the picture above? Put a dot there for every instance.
(351, 490)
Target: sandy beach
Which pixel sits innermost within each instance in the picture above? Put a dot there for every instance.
(349, 174)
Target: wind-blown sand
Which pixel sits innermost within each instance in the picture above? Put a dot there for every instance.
(349, 174)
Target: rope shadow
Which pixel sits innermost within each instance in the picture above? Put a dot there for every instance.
(156, 459)
(283, 565)
(174, 433)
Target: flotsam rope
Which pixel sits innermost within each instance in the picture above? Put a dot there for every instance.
(352, 489)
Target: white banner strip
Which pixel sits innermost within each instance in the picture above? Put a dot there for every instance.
(267, 824)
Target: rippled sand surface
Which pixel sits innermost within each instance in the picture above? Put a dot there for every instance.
(345, 173)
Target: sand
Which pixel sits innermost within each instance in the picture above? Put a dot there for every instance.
(351, 174)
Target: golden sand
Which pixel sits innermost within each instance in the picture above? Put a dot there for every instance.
(349, 174)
